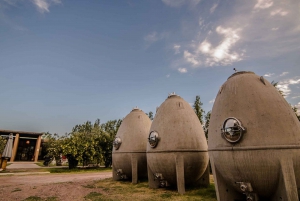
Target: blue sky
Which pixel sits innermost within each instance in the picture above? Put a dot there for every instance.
(63, 62)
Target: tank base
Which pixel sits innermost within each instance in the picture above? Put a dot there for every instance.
(287, 186)
(152, 181)
(204, 179)
(223, 190)
(137, 167)
(286, 189)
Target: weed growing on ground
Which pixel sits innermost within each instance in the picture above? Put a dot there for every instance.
(16, 189)
(36, 198)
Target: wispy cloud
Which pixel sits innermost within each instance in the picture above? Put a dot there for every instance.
(222, 54)
(284, 73)
(263, 4)
(295, 97)
(176, 49)
(168, 75)
(151, 37)
(268, 74)
(213, 8)
(212, 101)
(179, 3)
(182, 70)
(154, 36)
(43, 5)
(285, 85)
(279, 12)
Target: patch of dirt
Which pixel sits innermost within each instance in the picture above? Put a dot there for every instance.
(63, 186)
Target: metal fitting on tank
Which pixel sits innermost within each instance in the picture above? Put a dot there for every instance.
(121, 174)
(153, 139)
(117, 143)
(232, 130)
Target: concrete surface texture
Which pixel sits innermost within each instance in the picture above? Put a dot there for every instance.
(264, 163)
(180, 157)
(22, 165)
(129, 159)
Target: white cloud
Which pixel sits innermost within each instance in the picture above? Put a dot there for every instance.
(284, 73)
(179, 3)
(268, 74)
(213, 8)
(263, 4)
(212, 101)
(279, 12)
(152, 37)
(205, 47)
(295, 97)
(285, 85)
(275, 28)
(43, 5)
(190, 58)
(176, 49)
(182, 70)
(222, 54)
(168, 75)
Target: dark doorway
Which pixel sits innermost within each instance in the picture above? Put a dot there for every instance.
(25, 151)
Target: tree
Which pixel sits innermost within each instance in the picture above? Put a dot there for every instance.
(52, 146)
(275, 84)
(198, 109)
(111, 127)
(2, 144)
(206, 123)
(150, 115)
(295, 109)
(85, 144)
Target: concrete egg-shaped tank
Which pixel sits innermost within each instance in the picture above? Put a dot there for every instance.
(254, 142)
(177, 147)
(129, 147)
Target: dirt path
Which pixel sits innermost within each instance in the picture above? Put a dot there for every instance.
(62, 186)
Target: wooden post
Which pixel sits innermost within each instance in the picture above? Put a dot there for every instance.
(4, 163)
(37, 148)
(15, 148)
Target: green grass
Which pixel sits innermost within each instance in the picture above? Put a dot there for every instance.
(124, 190)
(40, 164)
(89, 186)
(78, 170)
(94, 196)
(36, 198)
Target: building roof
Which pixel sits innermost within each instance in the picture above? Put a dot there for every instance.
(19, 132)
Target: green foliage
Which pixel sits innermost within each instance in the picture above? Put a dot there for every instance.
(198, 109)
(2, 144)
(150, 115)
(206, 123)
(52, 145)
(110, 127)
(87, 143)
(275, 84)
(295, 109)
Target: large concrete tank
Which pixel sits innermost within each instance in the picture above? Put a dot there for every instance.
(177, 149)
(253, 142)
(129, 150)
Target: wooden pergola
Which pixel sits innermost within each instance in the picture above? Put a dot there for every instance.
(19, 135)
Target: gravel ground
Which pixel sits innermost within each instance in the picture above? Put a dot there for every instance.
(63, 186)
